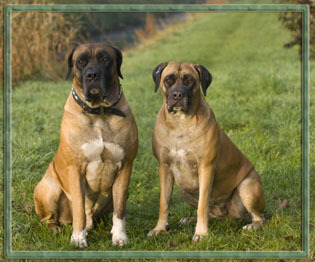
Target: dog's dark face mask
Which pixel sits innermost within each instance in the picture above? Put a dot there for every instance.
(178, 92)
(180, 84)
(97, 68)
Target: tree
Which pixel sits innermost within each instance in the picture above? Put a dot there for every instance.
(293, 21)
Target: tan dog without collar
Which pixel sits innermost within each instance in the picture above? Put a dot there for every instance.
(213, 175)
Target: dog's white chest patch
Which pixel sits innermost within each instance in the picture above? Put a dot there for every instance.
(93, 150)
(116, 150)
(179, 157)
(178, 154)
(183, 168)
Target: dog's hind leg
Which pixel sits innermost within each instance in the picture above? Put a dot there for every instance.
(48, 196)
(248, 198)
(65, 209)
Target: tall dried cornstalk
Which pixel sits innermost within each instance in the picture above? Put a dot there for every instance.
(40, 42)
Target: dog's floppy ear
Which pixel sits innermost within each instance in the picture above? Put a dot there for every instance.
(204, 76)
(119, 59)
(70, 63)
(156, 74)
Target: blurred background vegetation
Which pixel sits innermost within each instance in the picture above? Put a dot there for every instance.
(48, 37)
(293, 22)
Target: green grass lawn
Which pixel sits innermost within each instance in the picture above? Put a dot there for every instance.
(255, 95)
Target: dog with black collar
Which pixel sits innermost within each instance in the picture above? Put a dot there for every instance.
(90, 174)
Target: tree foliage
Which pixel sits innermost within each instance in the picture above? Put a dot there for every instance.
(293, 21)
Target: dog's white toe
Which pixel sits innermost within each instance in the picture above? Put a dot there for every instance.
(119, 236)
(79, 239)
(254, 225)
(197, 238)
(119, 239)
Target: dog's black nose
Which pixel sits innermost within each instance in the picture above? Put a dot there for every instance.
(177, 94)
(92, 74)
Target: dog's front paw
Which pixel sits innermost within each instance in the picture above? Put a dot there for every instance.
(200, 232)
(119, 238)
(158, 231)
(197, 238)
(254, 225)
(79, 239)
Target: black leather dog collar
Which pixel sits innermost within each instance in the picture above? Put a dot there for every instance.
(99, 110)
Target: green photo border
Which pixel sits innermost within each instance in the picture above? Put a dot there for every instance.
(303, 9)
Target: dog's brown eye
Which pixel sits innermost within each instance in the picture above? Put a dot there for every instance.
(169, 81)
(187, 80)
(105, 59)
(81, 61)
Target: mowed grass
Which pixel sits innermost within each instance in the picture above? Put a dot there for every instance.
(256, 97)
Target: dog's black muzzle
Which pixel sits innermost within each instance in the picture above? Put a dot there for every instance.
(94, 84)
(179, 99)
